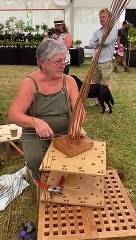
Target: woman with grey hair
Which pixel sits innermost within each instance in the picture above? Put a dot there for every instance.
(43, 103)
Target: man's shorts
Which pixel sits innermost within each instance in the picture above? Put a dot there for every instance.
(119, 59)
(102, 73)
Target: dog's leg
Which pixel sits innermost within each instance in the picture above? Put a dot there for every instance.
(102, 104)
(110, 107)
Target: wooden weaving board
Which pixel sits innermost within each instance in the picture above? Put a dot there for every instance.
(117, 219)
(91, 162)
(77, 190)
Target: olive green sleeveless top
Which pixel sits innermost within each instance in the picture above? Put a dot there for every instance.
(53, 108)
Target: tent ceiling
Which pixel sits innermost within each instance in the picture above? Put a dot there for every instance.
(99, 3)
(58, 3)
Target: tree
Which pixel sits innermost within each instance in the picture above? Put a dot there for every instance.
(1, 28)
(20, 26)
(44, 27)
(37, 28)
(11, 25)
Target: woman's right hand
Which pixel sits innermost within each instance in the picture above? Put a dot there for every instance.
(42, 128)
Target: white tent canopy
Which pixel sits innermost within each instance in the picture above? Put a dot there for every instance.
(12, 4)
(99, 3)
(81, 16)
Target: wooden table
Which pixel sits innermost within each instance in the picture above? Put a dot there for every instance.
(7, 142)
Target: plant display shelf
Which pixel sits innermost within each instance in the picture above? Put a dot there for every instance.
(117, 219)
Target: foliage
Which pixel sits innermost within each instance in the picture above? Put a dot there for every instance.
(11, 24)
(132, 35)
(78, 42)
(19, 44)
(20, 26)
(44, 27)
(37, 28)
(1, 27)
(29, 29)
(14, 26)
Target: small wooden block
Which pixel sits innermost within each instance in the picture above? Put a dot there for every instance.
(74, 148)
(71, 179)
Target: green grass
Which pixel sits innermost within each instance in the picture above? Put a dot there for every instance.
(117, 129)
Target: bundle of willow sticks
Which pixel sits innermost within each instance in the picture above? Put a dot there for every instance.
(74, 132)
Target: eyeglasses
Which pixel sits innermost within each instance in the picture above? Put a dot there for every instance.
(59, 62)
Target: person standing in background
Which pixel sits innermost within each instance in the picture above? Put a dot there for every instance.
(65, 37)
(122, 40)
(104, 65)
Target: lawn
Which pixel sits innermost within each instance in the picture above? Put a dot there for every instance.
(117, 129)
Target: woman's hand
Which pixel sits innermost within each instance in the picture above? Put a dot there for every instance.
(42, 128)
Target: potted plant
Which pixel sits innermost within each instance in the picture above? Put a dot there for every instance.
(78, 43)
(132, 37)
(44, 27)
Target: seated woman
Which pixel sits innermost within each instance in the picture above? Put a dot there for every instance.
(44, 102)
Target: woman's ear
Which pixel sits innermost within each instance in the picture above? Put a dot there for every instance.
(42, 62)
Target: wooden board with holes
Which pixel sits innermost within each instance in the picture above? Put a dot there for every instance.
(77, 190)
(92, 161)
(117, 219)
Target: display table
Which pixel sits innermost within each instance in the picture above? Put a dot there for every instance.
(131, 58)
(8, 56)
(18, 56)
(27, 56)
(77, 56)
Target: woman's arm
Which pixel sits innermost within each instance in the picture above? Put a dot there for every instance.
(19, 107)
(21, 103)
(68, 40)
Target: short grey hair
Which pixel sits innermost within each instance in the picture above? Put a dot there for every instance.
(49, 48)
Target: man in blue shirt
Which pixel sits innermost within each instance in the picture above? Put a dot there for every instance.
(104, 65)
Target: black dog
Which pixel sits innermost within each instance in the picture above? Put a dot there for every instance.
(99, 91)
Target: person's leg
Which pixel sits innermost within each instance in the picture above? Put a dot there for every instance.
(106, 70)
(34, 148)
(125, 63)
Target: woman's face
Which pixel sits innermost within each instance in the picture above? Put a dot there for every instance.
(60, 27)
(55, 65)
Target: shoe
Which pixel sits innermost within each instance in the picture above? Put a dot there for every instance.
(115, 70)
(94, 105)
(126, 69)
